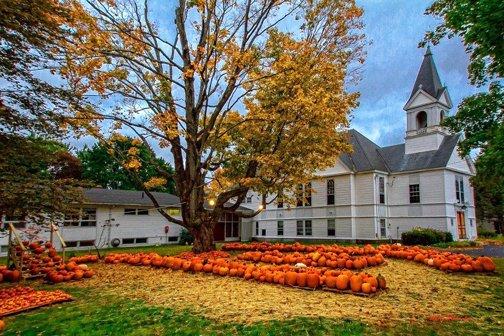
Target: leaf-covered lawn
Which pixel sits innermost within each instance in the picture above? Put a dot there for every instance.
(126, 300)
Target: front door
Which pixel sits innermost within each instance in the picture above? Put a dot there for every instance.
(461, 225)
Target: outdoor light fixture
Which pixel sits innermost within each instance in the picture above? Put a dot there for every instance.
(260, 207)
(211, 202)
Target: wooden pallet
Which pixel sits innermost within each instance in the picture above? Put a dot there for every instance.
(17, 311)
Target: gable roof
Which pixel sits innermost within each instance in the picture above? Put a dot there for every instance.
(128, 197)
(365, 155)
(398, 161)
(368, 156)
(100, 196)
(428, 78)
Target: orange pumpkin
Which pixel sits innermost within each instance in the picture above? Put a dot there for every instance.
(331, 281)
(208, 268)
(290, 278)
(366, 287)
(487, 263)
(312, 280)
(342, 282)
(372, 281)
(301, 279)
(2, 325)
(355, 283)
(198, 267)
(349, 264)
(466, 268)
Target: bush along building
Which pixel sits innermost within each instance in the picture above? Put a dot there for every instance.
(377, 193)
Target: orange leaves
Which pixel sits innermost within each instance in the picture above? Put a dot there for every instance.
(167, 122)
(155, 182)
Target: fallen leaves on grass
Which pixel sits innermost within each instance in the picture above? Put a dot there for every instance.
(415, 292)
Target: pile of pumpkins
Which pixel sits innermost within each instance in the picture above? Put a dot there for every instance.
(85, 259)
(288, 275)
(68, 272)
(38, 258)
(314, 259)
(7, 275)
(442, 260)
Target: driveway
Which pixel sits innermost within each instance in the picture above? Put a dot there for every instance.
(495, 251)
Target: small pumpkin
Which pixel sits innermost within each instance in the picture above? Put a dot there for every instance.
(312, 280)
(290, 278)
(331, 281)
(366, 287)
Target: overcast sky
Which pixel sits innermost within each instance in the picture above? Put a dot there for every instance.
(395, 27)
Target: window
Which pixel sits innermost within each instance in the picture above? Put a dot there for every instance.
(299, 228)
(299, 195)
(304, 195)
(134, 212)
(128, 240)
(441, 116)
(4, 248)
(83, 243)
(19, 222)
(129, 212)
(459, 189)
(85, 218)
(330, 192)
(421, 120)
(71, 243)
(331, 227)
(257, 229)
(174, 212)
(263, 232)
(471, 222)
(414, 193)
(280, 228)
(304, 228)
(141, 240)
(383, 228)
(248, 199)
(308, 228)
(173, 239)
(381, 188)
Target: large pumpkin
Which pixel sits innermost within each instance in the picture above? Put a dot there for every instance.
(312, 280)
(342, 282)
(487, 263)
(355, 283)
(301, 279)
(331, 281)
(291, 278)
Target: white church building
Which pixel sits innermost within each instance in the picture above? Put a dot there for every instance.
(374, 193)
(379, 192)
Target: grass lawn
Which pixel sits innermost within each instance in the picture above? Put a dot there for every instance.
(126, 300)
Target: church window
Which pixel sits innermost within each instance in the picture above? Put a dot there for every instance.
(459, 189)
(441, 116)
(304, 195)
(421, 120)
(381, 188)
(330, 192)
(414, 193)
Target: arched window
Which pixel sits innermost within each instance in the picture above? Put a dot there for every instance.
(421, 119)
(441, 116)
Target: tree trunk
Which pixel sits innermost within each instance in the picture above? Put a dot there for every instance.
(203, 237)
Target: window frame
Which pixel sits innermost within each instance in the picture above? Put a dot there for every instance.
(414, 195)
(381, 189)
(299, 228)
(330, 192)
(383, 226)
(280, 228)
(331, 226)
(459, 189)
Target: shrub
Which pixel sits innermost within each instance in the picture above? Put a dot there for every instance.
(425, 236)
(486, 233)
(185, 238)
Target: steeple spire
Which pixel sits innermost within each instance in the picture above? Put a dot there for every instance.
(428, 78)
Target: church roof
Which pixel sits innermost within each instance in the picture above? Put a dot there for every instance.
(368, 156)
(428, 78)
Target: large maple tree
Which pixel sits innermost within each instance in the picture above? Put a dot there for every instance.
(247, 95)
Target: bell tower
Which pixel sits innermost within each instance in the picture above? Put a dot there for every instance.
(428, 104)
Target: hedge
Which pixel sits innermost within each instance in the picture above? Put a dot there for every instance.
(425, 236)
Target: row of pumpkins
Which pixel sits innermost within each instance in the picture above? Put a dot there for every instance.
(314, 259)
(442, 260)
(298, 247)
(309, 277)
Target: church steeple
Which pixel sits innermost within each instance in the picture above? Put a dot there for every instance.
(428, 78)
(426, 108)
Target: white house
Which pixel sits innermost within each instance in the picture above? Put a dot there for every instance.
(123, 218)
(379, 192)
